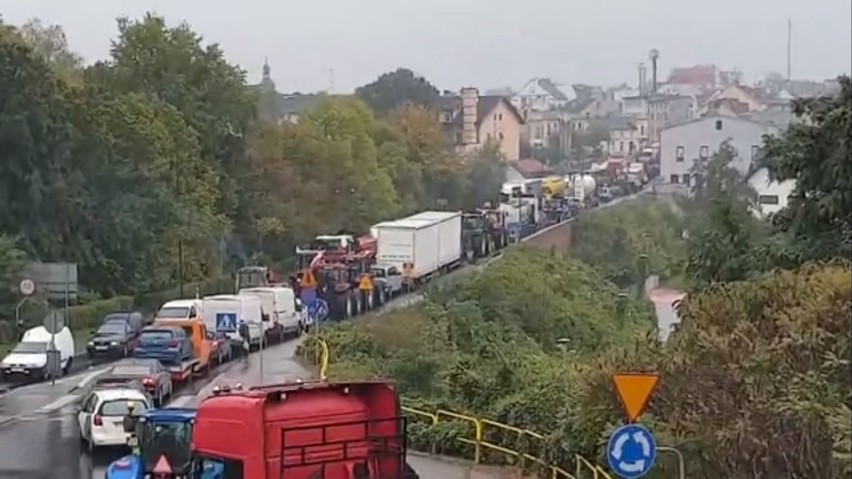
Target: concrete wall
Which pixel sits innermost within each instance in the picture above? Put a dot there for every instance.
(556, 238)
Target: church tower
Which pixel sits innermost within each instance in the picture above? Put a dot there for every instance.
(266, 82)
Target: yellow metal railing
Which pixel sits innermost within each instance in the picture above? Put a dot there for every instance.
(480, 428)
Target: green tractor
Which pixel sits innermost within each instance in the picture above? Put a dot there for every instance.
(483, 233)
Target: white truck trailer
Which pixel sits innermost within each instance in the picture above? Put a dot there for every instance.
(421, 245)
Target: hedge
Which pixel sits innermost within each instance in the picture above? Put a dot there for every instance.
(89, 315)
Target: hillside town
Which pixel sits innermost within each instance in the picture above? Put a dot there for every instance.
(660, 126)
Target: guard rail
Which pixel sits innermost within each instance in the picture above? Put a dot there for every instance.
(482, 430)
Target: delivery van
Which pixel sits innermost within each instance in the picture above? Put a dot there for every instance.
(180, 309)
(238, 317)
(28, 359)
(281, 313)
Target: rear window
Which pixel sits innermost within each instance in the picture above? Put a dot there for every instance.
(118, 407)
(131, 370)
(173, 313)
(187, 330)
(156, 334)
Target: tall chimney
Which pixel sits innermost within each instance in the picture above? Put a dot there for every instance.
(470, 102)
(653, 56)
(641, 78)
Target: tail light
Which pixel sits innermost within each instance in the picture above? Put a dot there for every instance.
(133, 343)
(174, 343)
(98, 421)
(149, 382)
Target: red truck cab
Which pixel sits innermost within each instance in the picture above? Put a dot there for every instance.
(311, 430)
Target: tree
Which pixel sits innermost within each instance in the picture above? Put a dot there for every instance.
(815, 152)
(394, 89)
(485, 172)
(723, 231)
(49, 42)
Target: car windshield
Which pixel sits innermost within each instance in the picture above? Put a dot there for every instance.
(173, 312)
(120, 317)
(119, 407)
(30, 348)
(113, 327)
(154, 334)
(378, 272)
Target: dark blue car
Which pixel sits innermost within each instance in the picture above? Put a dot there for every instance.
(168, 344)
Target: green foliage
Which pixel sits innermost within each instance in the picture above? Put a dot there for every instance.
(397, 88)
(613, 239)
(815, 152)
(490, 345)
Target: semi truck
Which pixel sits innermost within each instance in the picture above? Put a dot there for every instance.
(303, 430)
(421, 246)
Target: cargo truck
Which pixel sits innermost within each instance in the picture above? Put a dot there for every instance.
(311, 430)
(422, 245)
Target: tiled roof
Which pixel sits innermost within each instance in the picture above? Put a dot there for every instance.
(485, 106)
(529, 167)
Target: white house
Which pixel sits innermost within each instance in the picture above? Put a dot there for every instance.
(540, 94)
(772, 195)
(682, 145)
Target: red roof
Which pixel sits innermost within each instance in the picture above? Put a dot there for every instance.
(531, 168)
(697, 75)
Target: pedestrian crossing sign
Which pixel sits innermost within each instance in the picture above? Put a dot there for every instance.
(226, 322)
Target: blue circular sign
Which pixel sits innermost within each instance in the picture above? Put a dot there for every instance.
(317, 310)
(631, 451)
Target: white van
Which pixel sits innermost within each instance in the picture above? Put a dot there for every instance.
(281, 312)
(28, 359)
(224, 313)
(180, 309)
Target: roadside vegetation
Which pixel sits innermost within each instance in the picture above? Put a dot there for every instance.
(757, 382)
(162, 155)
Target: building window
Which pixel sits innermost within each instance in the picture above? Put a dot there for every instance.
(704, 152)
(458, 138)
(754, 151)
(487, 136)
(447, 117)
(500, 135)
(768, 199)
(673, 179)
(718, 124)
(679, 153)
(500, 116)
(686, 179)
(642, 130)
(620, 146)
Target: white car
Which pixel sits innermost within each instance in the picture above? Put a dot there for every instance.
(28, 359)
(101, 417)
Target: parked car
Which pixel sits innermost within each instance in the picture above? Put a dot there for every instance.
(220, 343)
(116, 337)
(155, 379)
(101, 415)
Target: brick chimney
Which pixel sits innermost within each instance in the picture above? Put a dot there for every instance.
(470, 102)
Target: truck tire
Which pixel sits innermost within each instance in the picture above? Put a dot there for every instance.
(370, 302)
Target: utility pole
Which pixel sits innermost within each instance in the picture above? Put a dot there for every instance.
(789, 47)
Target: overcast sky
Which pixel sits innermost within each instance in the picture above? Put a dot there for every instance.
(485, 43)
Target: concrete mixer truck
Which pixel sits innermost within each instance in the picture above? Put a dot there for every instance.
(582, 188)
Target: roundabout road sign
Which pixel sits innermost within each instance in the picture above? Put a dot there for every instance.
(27, 287)
(631, 451)
(318, 310)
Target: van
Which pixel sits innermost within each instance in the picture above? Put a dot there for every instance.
(229, 314)
(281, 313)
(28, 359)
(180, 309)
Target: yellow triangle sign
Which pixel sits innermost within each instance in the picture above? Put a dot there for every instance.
(635, 390)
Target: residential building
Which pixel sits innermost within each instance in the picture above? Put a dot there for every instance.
(470, 120)
(627, 136)
(755, 99)
(684, 144)
(704, 77)
(542, 128)
(540, 94)
(772, 196)
(635, 106)
(668, 110)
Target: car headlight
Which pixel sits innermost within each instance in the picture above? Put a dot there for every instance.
(114, 343)
(91, 343)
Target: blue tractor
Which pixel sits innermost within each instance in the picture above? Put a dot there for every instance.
(160, 439)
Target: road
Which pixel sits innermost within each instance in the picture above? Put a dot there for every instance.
(664, 300)
(39, 435)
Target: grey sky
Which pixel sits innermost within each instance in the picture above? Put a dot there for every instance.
(486, 43)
